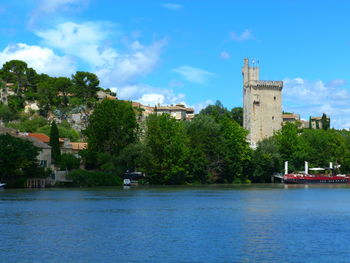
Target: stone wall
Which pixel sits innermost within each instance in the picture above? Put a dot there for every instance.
(262, 109)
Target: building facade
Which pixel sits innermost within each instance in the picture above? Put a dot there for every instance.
(262, 104)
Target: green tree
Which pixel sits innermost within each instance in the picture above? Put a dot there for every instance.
(166, 152)
(112, 126)
(69, 162)
(237, 115)
(54, 143)
(236, 150)
(14, 71)
(15, 156)
(325, 122)
(85, 85)
(64, 87)
(6, 114)
(205, 146)
(266, 161)
(217, 110)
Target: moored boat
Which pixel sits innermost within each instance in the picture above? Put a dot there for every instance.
(317, 178)
(315, 175)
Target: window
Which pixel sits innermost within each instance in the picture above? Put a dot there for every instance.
(273, 117)
(274, 98)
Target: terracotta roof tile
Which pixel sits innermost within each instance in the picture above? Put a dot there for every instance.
(40, 136)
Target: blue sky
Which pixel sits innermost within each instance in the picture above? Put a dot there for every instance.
(190, 51)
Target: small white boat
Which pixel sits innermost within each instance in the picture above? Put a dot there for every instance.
(127, 182)
(2, 185)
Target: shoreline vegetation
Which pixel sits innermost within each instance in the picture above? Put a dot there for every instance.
(209, 149)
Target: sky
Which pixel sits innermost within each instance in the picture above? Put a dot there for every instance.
(190, 51)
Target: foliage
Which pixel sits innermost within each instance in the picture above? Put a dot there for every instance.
(131, 157)
(237, 115)
(29, 125)
(85, 178)
(325, 122)
(204, 144)
(166, 150)
(85, 86)
(266, 160)
(317, 146)
(112, 126)
(69, 162)
(6, 114)
(218, 111)
(54, 143)
(16, 155)
(63, 131)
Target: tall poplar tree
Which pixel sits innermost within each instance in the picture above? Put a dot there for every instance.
(54, 143)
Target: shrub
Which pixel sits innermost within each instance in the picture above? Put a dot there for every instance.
(94, 178)
(69, 162)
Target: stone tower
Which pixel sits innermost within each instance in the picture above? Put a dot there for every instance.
(262, 104)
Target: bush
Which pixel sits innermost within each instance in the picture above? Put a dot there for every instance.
(69, 162)
(29, 125)
(6, 114)
(94, 178)
(64, 132)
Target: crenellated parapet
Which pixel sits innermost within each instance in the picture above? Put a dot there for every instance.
(269, 83)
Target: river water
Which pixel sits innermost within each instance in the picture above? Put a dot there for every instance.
(255, 223)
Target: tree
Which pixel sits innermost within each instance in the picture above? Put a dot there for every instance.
(85, 85)
(69, 162)
(64, 87)
(325, 122)
(310, 123)
(15, 71)
(217, 110)
(237, 115)
(266, 161)
(15, 155)
(236, 150)
(205, 143)
(166, 152)
(6, 114)
(112, 126)
(54, 143)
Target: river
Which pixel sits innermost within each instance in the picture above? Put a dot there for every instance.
(255, 223)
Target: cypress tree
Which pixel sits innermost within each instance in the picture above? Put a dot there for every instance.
(54, 143)
(325, 122)
(310, 124)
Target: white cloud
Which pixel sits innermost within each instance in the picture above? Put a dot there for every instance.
(225, 55)
(126, 68)
(171, 6)
(47, 7)
(312, 98)
(195, 75)
(42, 59)
(245, 35)
(148, 95)
(85, 40)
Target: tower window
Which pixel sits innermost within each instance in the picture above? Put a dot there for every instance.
(273, 117)
(274, 98)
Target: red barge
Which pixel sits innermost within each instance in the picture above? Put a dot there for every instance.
(317, 175)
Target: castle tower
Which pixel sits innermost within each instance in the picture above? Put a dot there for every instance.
(262, 104)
